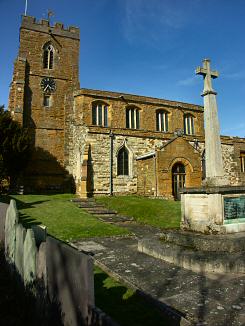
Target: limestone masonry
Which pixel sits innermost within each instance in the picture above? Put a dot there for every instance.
(102, 142)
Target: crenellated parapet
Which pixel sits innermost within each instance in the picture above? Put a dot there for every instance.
(29, 22)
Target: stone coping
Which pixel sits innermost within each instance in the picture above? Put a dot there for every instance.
(223, 190)
(234, 242)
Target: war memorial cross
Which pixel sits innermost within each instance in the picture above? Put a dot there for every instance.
(207, 75)
(213, 153)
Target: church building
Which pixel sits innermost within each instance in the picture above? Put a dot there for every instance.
(103, 142)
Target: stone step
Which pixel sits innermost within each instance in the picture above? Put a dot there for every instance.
(82, 200)
(90, 205)
(114, 218)
(211, 242)
(99, 211)
(197, 261)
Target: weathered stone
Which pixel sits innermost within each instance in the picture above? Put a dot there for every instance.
(42, 263)
(40, 233)
(70, 281)
(26, 98)
(30, 253)
(214, 163)
(19, 249)
(12, 218)
(3, 211)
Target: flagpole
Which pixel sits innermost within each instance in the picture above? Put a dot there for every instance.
(26, 8)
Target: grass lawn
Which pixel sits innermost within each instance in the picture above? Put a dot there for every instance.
(156, 212)
(124, 305)
(63, 218)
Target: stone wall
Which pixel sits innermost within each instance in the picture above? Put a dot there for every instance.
(146, 181)
(118, 102)
(48, 125)
(100, 161)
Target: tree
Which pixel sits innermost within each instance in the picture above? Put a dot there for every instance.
(15, 147)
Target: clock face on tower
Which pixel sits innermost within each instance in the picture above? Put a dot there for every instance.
(48, 85)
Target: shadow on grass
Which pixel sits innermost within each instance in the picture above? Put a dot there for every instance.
(26, 220)
(125, 305)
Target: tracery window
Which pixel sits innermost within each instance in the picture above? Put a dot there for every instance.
(100, 114)
(242, 158)
(132, 118)
(123, 162)
(162, 120)
(48, 56)
(189, 124)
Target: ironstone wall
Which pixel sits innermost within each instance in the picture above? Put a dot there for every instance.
(65, 273)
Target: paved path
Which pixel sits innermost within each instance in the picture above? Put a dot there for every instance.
(213, 300)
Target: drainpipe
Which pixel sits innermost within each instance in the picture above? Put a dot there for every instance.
(155, 170)
(111, 162)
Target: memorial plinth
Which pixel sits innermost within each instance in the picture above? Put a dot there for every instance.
(213, 209)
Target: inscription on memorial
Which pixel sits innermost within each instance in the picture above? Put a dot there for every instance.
(234, 207)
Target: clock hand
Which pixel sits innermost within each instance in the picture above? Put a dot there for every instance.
(45, 88)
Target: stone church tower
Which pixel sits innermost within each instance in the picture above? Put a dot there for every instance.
(41, 96)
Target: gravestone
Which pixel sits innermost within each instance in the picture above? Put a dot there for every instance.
(3, 211)
(11, 221)
(40, 233)
(19, 248)
(70, 281)
(42, 264)
(29, 258)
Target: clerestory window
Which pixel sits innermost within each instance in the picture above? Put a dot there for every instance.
(122, 162)
(162, 121)
(189, 124)
(48, 56)
(132, 118)
(100, 114)
(242, 158)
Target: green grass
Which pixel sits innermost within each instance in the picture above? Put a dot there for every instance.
(124, 305)
(156, 212)
(63, 218)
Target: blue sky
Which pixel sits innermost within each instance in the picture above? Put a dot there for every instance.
(147, 47)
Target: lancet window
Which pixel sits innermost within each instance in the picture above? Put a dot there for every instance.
(48, 56)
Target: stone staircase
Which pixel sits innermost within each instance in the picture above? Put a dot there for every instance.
(100, 211)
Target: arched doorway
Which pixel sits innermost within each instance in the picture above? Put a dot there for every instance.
(178, 179)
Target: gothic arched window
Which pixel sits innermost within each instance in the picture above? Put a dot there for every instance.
(48, 56)
(189, 124)
(100, 114)
(122, 162)
(162, 120)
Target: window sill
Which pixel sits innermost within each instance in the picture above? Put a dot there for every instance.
(124, 176)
